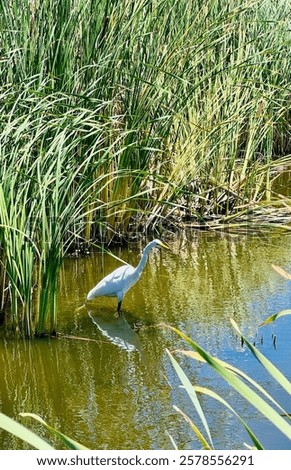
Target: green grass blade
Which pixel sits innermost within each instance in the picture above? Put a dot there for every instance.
(20, 431)
(270, 368)
(70, 443)
(276, 316)
(172, 440)
(282, 272)
(244, 390)
(195, 429)
(191, 393)
(241, 374)
(216, 396)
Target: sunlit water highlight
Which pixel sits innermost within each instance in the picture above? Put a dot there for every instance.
(107, 382)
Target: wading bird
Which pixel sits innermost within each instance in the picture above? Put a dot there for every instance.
(117, 283)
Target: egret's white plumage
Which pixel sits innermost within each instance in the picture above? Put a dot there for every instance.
(117, 283)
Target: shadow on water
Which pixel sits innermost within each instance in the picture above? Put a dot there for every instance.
(116, 329)
(106, 380)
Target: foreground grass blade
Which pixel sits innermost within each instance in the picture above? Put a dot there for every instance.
(276, 316)
(244, 390)
(70, 443)
(240, 373)
(194, 428)
(216, 396)
(20, 431)
(172, 441)
(270, 368)
(191, 392)
(282, 272)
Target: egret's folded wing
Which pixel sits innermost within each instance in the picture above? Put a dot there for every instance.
(112, 283)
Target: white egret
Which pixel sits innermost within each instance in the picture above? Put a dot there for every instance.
(117, 283)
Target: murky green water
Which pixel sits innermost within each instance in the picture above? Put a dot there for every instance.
(107, 381)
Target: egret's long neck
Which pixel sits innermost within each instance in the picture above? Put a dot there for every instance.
(143, 261)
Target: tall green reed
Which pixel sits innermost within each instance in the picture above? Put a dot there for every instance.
(43, 201)
(201, 89)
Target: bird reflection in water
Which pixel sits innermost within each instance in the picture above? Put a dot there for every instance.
(117, 330)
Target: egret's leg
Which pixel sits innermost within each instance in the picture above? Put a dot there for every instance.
(119, 308)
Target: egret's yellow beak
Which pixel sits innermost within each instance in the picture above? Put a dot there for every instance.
(164, 245)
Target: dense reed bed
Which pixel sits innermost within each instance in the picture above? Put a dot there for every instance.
(119, 114)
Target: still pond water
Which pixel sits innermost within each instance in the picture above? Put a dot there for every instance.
(108, 383)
